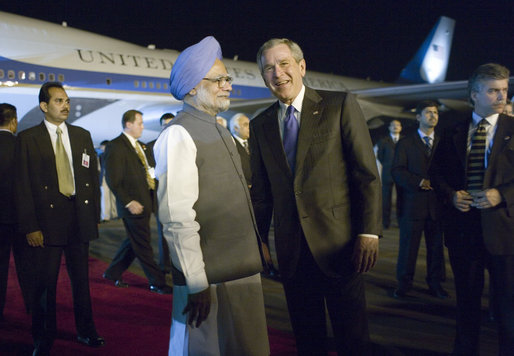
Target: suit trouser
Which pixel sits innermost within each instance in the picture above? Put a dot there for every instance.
(47, 263)
(236, 324)
(410, 237)
(387, 198)
(137, 244)
(9, 239)
(308, 291)
(469, 258)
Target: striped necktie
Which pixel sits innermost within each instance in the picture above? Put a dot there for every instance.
(476, 158)
(428, 146)
(141, 155)
(62, 164)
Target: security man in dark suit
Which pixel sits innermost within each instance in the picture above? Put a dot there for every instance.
(58, 205)
(9, 239)
(129, 173)
(385, 155)
(313, 166)
(419, 209)
(474, 170)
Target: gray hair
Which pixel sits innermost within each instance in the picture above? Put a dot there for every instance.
(296, 51)
(234, 121)
(486, 72)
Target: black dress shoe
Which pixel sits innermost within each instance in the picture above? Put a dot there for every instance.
(93, 341)
(400, 293)
(117, 282)
(39, 351)
(438, 292)
(161, 290)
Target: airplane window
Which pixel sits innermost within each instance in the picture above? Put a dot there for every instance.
(42, 77)
(2, 73)
(136, 83)
(10, 74)
(32, 76)
(150, 85)
(60, 77)
(21, 75)
(51, 77)
(158, 85)
(143, 84)
(165, 86)
(108, 81)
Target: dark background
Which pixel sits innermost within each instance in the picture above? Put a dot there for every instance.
(365, 39)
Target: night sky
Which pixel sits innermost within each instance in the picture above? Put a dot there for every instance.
(353, 38)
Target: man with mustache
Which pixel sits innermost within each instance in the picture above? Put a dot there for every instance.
(474, 171)
(58, 206)
(218, 305)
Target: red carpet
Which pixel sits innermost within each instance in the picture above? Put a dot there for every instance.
(133, 320)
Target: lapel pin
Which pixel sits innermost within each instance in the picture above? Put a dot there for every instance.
(506, 138)
(315, 112)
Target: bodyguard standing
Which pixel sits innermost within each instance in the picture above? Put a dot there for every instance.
(58, 206)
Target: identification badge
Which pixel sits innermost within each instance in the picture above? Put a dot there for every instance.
(85, 160)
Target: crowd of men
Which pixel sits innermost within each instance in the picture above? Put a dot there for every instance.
(306, 164)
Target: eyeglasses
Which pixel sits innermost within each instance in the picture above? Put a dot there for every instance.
(222, 81)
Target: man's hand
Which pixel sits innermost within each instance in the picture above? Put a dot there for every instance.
(462, 200)
(35, 239)
(425, 184)
(485, 199)
(135, 207)
(266, 254)
(198, 307)
(365, 253)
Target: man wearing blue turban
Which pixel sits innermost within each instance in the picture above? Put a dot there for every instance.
(218, 306)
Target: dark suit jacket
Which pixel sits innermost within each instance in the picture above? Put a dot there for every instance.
(245, 162)
(410, 166)
(385, 154)
(7, 212)
(126, 175)
(37, 188)
(450, 176)
(335, 192)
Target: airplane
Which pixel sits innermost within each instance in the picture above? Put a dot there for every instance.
(104, 77)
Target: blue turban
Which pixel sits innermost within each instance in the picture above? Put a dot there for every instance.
(192, 65)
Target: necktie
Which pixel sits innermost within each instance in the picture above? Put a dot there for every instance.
(476, 167)
(141, 155)
(62, 163)
(245, 145)
(428, 146)
(290, 136)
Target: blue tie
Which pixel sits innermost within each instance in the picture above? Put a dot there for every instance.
(290, 136)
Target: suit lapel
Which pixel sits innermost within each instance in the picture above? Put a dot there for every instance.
(274, 141)
(311, 112)
(503, 135)
(460, 141)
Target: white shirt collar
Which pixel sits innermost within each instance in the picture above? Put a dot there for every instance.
(132, 140)
(492, 119)
(422, 134)
(53, 128)
(297, 102)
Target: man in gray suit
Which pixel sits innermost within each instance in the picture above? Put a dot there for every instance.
(313, 166)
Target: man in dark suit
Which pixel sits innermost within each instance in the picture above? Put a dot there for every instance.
(9, 239)
(474, 170)
(319, 177)
(385, 155)
(129, 173)
(240, 129)
(420, 210)
(164, 251)
(58, 205)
